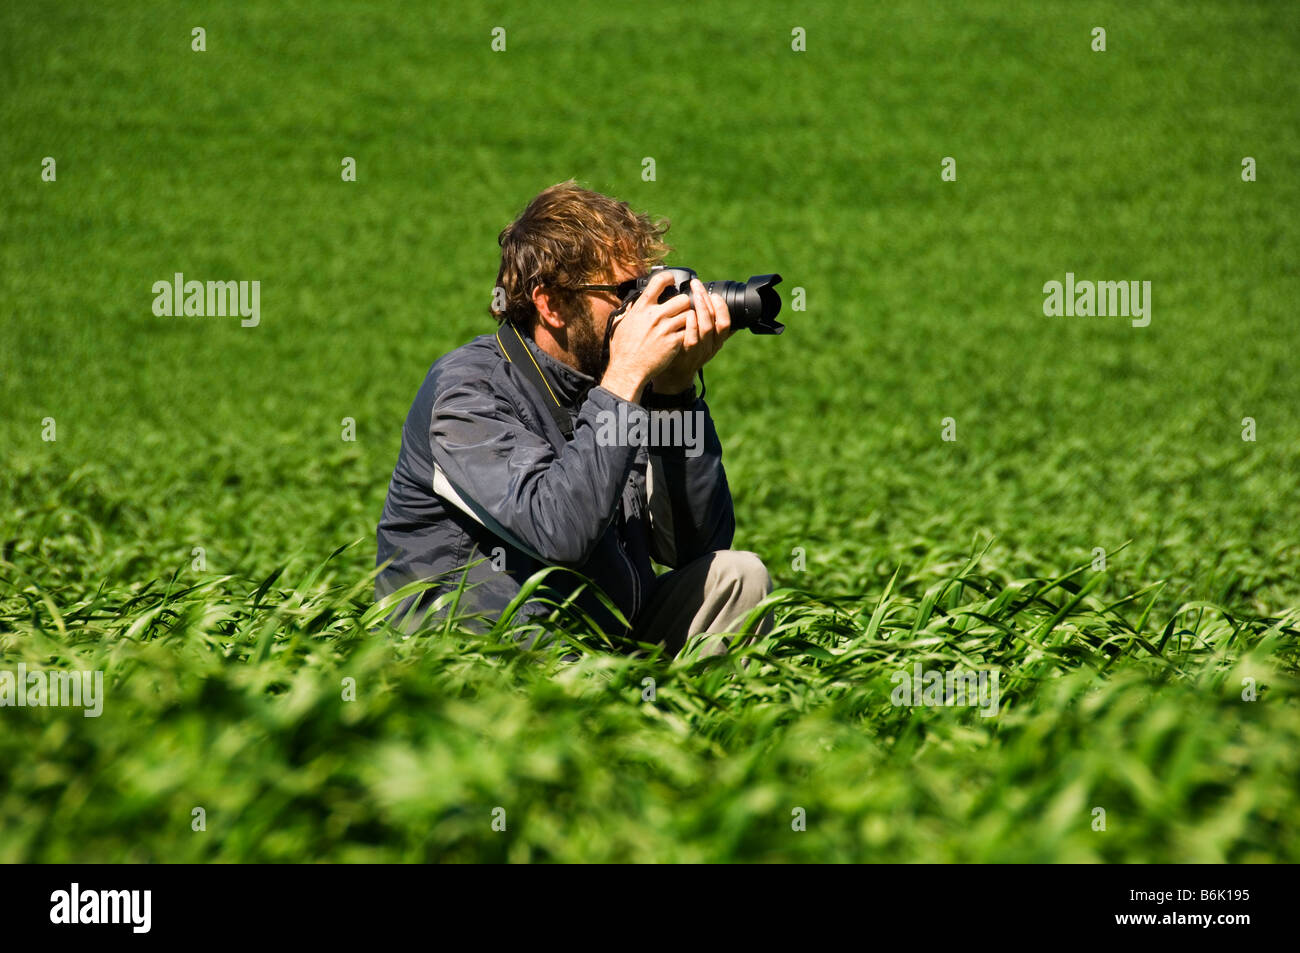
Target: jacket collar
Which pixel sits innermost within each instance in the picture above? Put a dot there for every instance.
(571, 385)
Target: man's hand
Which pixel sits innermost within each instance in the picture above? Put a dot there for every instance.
(708, 325)
(647, 339)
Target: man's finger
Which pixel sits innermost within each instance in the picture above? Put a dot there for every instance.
(655, 286)
(721, 316)
(674, 306)
(705, 311)
(674, 324)
(692, 329)
(676, 340)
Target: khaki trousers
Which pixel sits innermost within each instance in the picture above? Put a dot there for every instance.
(690, 607)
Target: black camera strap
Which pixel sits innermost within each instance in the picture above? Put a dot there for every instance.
(517, 353)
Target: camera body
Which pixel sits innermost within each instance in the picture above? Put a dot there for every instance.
(753, 304)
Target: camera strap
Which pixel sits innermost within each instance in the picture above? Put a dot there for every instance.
(517, 353)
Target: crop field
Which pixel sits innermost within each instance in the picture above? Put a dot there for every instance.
(1099, 514)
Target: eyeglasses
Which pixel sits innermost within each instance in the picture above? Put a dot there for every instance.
(622, 289)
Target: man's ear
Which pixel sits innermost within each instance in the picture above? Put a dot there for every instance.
(545, 311)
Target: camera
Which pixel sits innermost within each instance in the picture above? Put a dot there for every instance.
(753, 304)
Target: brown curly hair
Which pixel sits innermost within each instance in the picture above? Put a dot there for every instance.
(569, 236)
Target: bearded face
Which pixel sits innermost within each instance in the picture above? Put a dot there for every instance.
(587, 342)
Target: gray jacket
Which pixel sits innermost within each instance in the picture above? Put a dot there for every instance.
(484, 472)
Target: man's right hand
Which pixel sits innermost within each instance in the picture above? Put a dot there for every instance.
(646, 339)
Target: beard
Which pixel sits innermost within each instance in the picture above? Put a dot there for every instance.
(587, 345)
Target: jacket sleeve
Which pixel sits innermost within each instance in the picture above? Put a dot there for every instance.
(554, 506)
(690, 505)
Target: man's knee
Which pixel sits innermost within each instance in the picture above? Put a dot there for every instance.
(737, 582)
(745, 571)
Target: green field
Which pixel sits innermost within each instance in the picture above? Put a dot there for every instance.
(1122, 689)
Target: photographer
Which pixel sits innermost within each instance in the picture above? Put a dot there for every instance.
(507, 463)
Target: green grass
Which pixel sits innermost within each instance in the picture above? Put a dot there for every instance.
(1122, 689)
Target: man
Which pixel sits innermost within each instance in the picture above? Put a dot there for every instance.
(510, 463)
